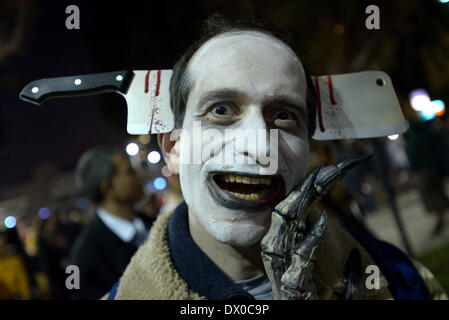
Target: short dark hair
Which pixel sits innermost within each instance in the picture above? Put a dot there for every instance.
(180, 84)
(95, 165)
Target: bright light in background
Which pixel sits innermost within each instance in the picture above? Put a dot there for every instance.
(434, 109)
(443, 1)
(132, 149)
(426, 108)
(439, 106)
(10, 222)
(44, 213)
(419, 99)
(160, 183)
(154, 157)
(393, 137)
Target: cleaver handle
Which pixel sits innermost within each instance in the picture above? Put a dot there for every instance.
(41, 90)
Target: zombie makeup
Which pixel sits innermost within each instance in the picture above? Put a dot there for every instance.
(251, 82)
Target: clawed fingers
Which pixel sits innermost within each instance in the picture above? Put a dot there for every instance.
(288, 249)
(301, 264)
(274, 242)
(353, 276)
(287, 219)
(300, 198)
(333, 173)
(315, 185)
(303, 250)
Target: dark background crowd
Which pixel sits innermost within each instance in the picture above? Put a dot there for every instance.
(401, 194)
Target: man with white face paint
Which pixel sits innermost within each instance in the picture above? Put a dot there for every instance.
(242, 88)
(243, 78)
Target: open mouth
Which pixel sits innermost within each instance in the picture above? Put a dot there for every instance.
(247, 191)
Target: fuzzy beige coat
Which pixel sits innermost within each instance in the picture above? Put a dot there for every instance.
(152, 275)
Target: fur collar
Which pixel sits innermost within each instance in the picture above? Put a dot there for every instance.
(331, 257)
(151, 274)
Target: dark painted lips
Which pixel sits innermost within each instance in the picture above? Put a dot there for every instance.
(274, 193)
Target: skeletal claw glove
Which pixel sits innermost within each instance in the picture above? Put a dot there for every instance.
(289, 246)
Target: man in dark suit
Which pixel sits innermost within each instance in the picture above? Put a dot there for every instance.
(107, 243)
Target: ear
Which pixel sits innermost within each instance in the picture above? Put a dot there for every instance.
(170, 151)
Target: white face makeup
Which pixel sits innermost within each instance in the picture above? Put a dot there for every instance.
(244, 80)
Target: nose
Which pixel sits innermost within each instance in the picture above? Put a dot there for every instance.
(257, 146)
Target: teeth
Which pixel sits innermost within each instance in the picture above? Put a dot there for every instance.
(252, 196)
(246, 180)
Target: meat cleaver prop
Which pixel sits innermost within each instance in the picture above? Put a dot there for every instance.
(146, 92)
(349, 106)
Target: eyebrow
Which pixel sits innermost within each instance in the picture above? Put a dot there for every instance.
(289, 102)
(220, 95)
(235, 94)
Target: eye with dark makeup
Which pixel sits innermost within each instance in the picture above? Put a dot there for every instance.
(283, 115)
(221, 112)
(226, 112)
(283, 118)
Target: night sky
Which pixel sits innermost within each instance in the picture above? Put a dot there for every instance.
(112, 37)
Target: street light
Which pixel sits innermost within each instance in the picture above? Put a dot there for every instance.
(435, 108)
(44, 213)
(160, 183)
(393, 137)
(10, 222)
(154, 157)
(132, 149)
(419, 99)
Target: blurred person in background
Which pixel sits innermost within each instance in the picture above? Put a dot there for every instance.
(70, 225)
(151, 206)
(172, 195)
(17, 280)
(107, 243)
(427, 155)
(52, 255)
